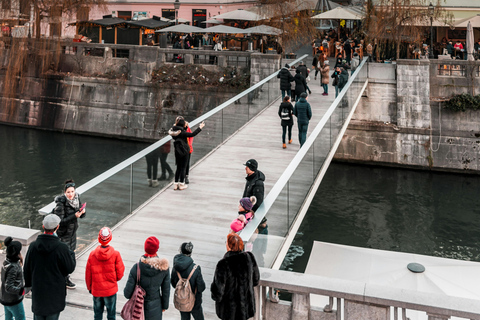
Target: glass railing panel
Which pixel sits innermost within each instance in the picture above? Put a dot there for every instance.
(208, 139)
(234, 117)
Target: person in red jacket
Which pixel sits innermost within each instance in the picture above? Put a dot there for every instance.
(104, 268)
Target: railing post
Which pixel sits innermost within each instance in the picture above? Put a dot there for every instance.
(300, 306)
(258, 303)
(131, 187)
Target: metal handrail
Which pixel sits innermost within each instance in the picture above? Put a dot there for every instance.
(124, 164)
(269, 200)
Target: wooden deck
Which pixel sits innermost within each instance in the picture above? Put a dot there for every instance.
(202, 213)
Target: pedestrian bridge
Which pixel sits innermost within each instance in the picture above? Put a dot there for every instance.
(246, 126)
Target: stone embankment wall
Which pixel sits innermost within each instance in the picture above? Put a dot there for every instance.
(401, 120)
(128, 107)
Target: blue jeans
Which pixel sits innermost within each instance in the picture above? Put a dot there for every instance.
(110, 303)
(17, 311)
(325, 88)
(288, 92)
(302, 133)
(336, 91)
(55, 316)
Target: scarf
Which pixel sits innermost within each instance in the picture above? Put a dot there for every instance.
(74, 203)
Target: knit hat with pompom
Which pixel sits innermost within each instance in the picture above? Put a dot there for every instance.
(13, 249)
(105, 236)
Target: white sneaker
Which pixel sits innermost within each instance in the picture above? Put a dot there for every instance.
(182, 186)
(149, 182)
(155, 183)
(175, 186)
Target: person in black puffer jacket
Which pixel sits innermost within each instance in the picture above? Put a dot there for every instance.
(286, 80)
(67, 207)
(254, 185)
(285, 112)
(12, 291)
(300, 84)
(183, 264)
(182, 150)
(154, 279)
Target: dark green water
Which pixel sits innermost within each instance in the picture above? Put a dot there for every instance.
(35, 163)
(435, 214)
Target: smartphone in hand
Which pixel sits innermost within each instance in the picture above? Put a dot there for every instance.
(83, 207)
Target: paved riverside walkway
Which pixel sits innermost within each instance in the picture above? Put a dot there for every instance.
(202, 213)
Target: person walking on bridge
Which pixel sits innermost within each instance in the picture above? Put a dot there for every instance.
(285, 112)
(286, 80)
(254, 184)
(303, 112)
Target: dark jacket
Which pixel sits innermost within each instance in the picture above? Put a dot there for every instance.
(285, 78)
(342, 79)
(303, 70)
(315, 61)
(300, 84)
(450, 48)
(11, 292)
(180, 135)
(184, 265)
(288, 106)
(335, 76)
(155, 280)
(67, 231)
(254, 187)
(302, 111)
(47, 263)
(232, 287)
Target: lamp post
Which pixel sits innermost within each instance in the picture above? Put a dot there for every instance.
(176, 4)
(431, 12)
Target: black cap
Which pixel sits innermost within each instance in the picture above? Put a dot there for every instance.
(252, 164)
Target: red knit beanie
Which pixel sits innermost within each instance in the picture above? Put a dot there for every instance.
(105, 236)
(151, 245)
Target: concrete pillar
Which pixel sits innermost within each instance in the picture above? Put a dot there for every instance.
(188, 58)
(222, 61)
(357, 310)
(300, 306)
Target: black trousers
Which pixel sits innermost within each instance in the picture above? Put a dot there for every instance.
(187, 169)
(152, 165)
(165, 166)
(181, 168)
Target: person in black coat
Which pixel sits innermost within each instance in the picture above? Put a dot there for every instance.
(13, 290)
(69, 208)
(182, 150)
(342, 79)
(47, 263)
(300, 84)
(235, 277)
(285, 112)
(183, 264)
(154, 279)
(286, 79)
(304, 71)
(254, 185)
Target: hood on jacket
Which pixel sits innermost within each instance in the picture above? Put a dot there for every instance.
(61, 198)
(47, 243)
(302, 100)
(182, 262)
(258, 175)
(155, 263)
(175, 131)
(344, 72)
(104, 253)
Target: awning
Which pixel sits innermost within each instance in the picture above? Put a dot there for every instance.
(339, 13)
(182, 28)
(263, 29)
(475, 20)
(152, 23)
(239, 14)
(213, 21)
(223, 29)
(105, 22)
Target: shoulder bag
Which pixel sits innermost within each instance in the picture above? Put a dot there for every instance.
(133, 309)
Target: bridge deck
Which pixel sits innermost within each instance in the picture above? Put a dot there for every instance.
(202, 213)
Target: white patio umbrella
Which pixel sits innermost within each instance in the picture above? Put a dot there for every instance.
(213, 21)
(182, 28)
(442, 276)
(339, 13)
(470, 42)
(239, 14)
(222, 29)
(475, 20)
(263, 29)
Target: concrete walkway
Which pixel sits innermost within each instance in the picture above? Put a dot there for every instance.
(202, 213)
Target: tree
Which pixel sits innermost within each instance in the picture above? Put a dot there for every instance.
(397, 21)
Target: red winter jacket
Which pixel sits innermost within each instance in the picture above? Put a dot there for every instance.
(104, 268)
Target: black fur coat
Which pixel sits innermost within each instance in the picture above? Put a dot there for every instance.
(232, 287)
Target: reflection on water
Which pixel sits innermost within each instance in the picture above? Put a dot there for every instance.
(34, 164)
(421, 212)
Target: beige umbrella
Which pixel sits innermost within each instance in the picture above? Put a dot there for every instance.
(239, 14)
(182, 28)
(213, 21)
(475, 20)
(223, 29)
(470, 42)
(339, 13)
(263, 29)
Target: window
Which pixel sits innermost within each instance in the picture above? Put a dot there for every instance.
(126, 15)
(198, 16)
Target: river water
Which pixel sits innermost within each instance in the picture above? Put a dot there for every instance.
(374, 207)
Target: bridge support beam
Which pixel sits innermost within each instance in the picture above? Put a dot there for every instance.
(357, 310)
(300, 306)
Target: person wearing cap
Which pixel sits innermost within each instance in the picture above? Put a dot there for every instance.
(254, 185)
(13, 290)
(69, 208)
(154, 279)
(104, 268)
(47, 263)
(303, 112)
(184, 264)
(286, 80)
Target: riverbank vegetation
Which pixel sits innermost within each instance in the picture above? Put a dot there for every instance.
(463, 102)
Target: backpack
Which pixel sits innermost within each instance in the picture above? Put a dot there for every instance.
(285, 113)
(133, 309)
(184, 297)
(325, 44)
